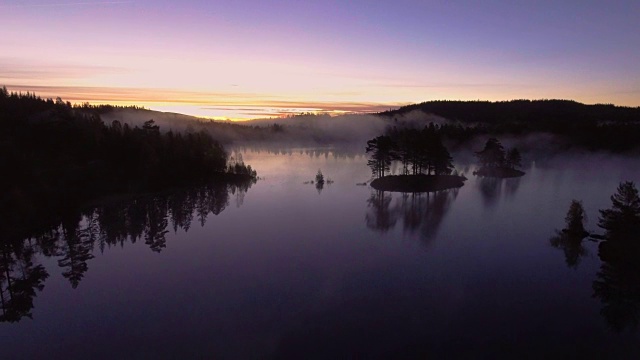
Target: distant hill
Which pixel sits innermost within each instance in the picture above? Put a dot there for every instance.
(600, 126)
(570, 124)
(521, 111)
(302, 130)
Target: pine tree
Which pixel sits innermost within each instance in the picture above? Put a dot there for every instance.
(623, 218)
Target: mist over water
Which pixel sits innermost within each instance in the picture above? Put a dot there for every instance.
(283, 270)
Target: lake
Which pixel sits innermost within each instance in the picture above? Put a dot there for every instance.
(282, 269)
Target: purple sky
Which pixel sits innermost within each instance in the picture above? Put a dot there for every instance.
(243, 59)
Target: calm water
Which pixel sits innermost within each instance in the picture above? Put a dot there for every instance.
(281, 269)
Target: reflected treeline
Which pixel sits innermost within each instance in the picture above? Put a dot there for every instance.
(74, 240)
(419, 212)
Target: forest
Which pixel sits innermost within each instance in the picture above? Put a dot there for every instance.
(572, 124)
(592, 127)
(55, 158)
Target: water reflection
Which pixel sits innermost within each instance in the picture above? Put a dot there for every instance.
(379, 216)
(617, 284)
(511, 186)
(20, 277)
(569, 239)
(491, 188)
(420, 212)
(74, 239)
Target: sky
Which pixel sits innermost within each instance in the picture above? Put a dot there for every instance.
(247, 59)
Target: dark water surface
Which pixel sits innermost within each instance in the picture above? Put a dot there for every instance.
(281, 269)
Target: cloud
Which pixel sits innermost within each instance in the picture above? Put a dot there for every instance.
(452, 85)
(285, 107)
(24, 70)
(247, 103)
(93, 3)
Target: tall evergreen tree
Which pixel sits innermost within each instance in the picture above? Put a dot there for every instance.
(623, 218)
(381, 150)
(492, 155)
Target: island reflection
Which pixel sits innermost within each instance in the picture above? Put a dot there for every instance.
(419, 212)
(74, 239)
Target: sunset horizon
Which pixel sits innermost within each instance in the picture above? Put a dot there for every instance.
(228, 61)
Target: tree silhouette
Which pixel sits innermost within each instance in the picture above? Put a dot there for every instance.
(418, 151)
(381, 153)
(492, 155)
(513, 159)
(617, 284)
(570, 238)
(55, 158)
(623, 217)
(19, 280)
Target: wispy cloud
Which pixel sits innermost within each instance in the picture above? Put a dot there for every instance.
(66, 4)
(254, 105)
(293, 107)
(24, 70)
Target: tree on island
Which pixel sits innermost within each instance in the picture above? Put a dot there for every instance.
(494, 156)
(513, 159)
(319, 178)
(419, 152)
(570, 238)
(381, 150)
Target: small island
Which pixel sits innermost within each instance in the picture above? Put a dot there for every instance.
(426, 164)
(418, 183)
(495, 162)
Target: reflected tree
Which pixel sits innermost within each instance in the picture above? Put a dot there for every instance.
(75, 250)
(425, 211)
(617, 284)
(511, 186)
(20, 277)
(418, 211)
(570, 238)
(379, 216)
(112, 224)
(437, 205)
(157, 222)
(489, 189)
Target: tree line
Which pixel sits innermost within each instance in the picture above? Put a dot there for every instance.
(55, 157)
(594, 127)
